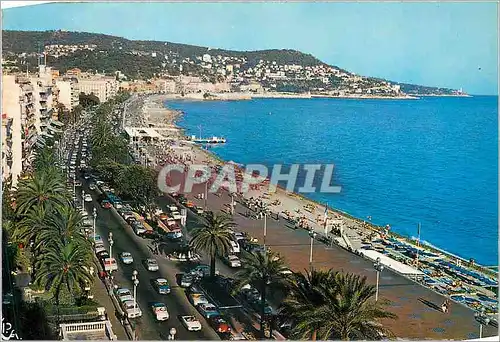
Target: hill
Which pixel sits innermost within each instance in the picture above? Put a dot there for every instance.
(280, 70)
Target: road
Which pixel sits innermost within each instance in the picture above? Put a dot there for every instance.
(125, 240)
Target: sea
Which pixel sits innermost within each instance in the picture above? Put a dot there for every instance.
(432, 160)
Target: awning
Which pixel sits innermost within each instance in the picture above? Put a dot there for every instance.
(56, 123)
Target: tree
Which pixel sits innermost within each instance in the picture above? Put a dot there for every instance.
(64, 226)
(44, 189)
(329, 305)
(266, 271)
(88, 100)
(64, 266)
(213, 237)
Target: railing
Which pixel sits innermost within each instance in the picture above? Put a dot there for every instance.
(104, 326)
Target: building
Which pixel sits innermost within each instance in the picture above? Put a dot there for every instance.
(73, 72)
(19, 133)
(68, 92)
(101, 86)
(207, 58)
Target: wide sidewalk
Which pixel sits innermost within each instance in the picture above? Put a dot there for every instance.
(413, 303)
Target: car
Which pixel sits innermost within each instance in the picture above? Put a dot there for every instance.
(208, 310)
(99, 248)
(198, 210)
(162, 286)
(151, 265)
(176, 215)
(201, 270)
(233, 261)
(127, 258)
(197, 299)
(131, 309)
(123, 294)
(160, 311)
(162, 216)
(128, 214)
(92, 186)
(172, 208)
(235, 247)
(86, 176)
(219, 324)
(102, 255)
(78, 183)
(109, 264)
(87, 198)
(170, 221)
(191, 323)
(106, 204)
(138, 227)
(186, 280)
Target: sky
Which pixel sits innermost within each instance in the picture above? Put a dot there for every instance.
(452, 45)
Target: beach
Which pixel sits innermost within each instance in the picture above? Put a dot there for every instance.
(292, 210)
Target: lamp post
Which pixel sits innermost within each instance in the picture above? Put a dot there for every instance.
(110, 240)
(265, 229)
(74, 189)
(482, 319)
(95, 218)
(173, 331)
(206, 194)
(83, 200)
(136, 282)
(379, 267)
(313, 235)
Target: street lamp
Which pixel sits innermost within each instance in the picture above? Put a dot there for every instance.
(95, 218)
(136, 282)
(265, 229)
(482, 319)
(110, 240)
(83, 200)
(379, 267)
(206, 194)
(173, 331)
(313, 235)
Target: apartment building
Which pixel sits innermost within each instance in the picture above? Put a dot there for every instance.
(68, 92)
(19, 133)
(101, 86)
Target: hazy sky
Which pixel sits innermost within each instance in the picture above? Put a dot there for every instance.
(439, 44)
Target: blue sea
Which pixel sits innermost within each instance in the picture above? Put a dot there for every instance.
(432, 160)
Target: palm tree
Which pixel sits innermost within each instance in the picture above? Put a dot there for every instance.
(341, 307)
(45, 159)
(305, 295)
(64, 225)
(214, 237)
(44, 189)
(266, 271)
(64, 266)
(31, 224)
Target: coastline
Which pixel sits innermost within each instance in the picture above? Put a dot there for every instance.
(363, 228)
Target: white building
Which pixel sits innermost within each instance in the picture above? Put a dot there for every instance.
(102, 87)
(68, 93)
(207, 58)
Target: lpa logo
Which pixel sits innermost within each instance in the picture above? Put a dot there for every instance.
(8, 333)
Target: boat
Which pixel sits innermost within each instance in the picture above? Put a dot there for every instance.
(212, 140)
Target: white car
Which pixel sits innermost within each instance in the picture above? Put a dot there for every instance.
(160, 311)
(191, 323)
(87, 198)
(131, 309)
(127, 258)
(197, 298)
(235, 247)
(152, 265)
(124, 295)
(233, 261)
(176, 215)
(172, 208)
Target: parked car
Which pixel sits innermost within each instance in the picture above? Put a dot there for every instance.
(191, 323)
(197, 298)
(138, 227)
(123, 294)
(160, 311)
(110, 264)
(127, 214)
(233, 261)
(186, 280)
(219, 324)
(171, 208)
(78, 183)
(152, 265)
(127, 258)
(132, 309)
(208, 310)
(87, 198)
(235, 247)
(92, 186)
(176, 215)
(201, 270)
(102, 255)
(162, 286)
